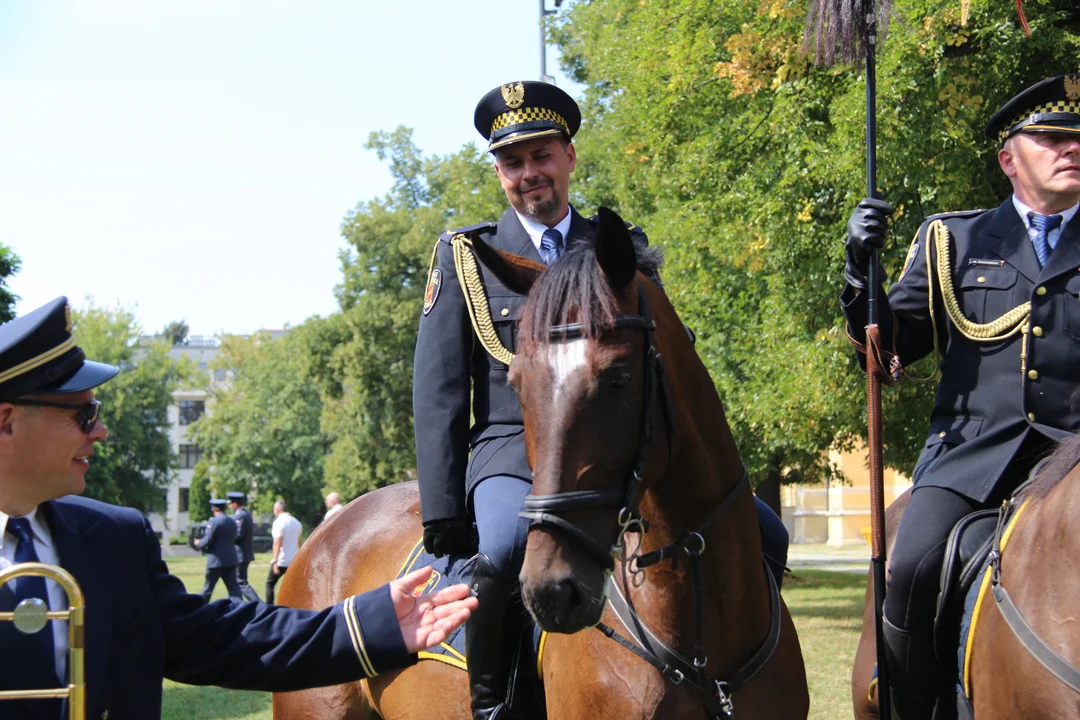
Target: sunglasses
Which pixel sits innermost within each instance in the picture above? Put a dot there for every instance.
(88, 413)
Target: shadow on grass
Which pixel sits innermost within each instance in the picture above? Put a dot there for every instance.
(192, 701)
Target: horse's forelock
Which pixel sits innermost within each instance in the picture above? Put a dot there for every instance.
(571, 290)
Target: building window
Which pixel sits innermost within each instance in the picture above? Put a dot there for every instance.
(189, 455)
(191, 410)
(182, 503)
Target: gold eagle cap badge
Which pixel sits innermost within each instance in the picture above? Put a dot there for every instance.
(1072, 87)
(513, 95)
(67, 317)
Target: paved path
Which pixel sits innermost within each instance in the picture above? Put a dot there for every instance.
(845, 558)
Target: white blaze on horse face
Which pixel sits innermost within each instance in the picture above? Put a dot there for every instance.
(564, 359)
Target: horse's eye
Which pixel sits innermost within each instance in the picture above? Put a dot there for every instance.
(621, 379)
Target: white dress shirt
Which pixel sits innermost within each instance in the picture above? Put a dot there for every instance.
(1053, 235)
(46, 553)
(536, 229)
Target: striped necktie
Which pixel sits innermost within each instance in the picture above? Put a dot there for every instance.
(1044, 224)
(551, 245)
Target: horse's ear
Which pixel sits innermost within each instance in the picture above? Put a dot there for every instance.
(515, 272)
(615, 250)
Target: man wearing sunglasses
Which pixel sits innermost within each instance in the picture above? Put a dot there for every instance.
(140, 623)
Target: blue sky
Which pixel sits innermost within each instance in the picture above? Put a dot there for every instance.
(194, 160)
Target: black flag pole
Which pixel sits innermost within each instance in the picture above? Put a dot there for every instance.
(850, 27)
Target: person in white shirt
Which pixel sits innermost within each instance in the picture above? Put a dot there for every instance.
(333, 506)
(286, 533)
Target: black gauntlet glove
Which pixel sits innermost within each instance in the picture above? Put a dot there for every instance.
(453, 536)
(866, 233)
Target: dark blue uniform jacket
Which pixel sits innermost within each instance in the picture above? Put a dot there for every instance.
(985, 407)
(219, 542)
(451, 456)
(141, 625)
(245, 535)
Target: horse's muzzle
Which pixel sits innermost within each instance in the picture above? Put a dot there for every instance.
(563, 605)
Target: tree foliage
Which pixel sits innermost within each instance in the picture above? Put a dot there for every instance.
(706, 124)
(261, 433)
(175, 332)
(9, 265)
(134, 465)
(368, 382)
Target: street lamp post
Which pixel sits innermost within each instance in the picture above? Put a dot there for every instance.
(544, 12)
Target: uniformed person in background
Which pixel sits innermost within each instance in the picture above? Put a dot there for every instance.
(141, 624)
(219, 547)
(245, 542)
(1005, 392)
(481, 472)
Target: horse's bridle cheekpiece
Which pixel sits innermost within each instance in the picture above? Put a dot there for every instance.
(543, 510)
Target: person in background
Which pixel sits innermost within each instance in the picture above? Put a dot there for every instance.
(333, 506)
(286, 532)
(245, 542)
(219, 546)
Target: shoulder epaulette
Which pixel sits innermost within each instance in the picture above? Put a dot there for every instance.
(955, 214)
(469, 230)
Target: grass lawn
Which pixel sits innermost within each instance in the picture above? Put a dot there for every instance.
(826, 608)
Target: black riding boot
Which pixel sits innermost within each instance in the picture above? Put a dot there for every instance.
(489, 647)
(913, 673)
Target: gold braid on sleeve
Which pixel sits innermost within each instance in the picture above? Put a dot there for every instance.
(1013, 322)
(472, 287)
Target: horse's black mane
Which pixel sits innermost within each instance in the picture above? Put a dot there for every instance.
(575, 283)
(1055, 468)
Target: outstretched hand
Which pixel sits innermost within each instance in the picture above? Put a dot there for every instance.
(429, 620)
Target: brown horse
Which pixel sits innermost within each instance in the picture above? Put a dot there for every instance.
(1041, 573)
(619, 441)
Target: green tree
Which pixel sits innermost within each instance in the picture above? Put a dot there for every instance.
(367, 385)
(199, 494)
(9, 265)
(135, 463)
(175, 332)
(261, 434)
(706, 125)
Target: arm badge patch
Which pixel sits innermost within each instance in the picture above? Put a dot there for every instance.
(431, 294)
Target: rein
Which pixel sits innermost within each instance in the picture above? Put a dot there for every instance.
(1056, 665)
(543, 510)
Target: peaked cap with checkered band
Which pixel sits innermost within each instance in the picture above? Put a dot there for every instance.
(1052, 105)
(38, 355)
(525, 110)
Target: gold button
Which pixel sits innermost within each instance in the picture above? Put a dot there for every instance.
(980, 279)
(505, 312)
(1031, 417)
(1041, 290)
(1033, 374)
(941, 434)
(1036, 331)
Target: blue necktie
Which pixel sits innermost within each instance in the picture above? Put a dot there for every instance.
(1045, 224)
(35, 651)
(551, 245)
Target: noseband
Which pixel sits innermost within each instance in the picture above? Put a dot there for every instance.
(543, 510)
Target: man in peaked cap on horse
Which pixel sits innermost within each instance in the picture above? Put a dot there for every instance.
(463, 350)
(140, 623)
(1005, 318)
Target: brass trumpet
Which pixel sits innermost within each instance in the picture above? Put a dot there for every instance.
(32, 619)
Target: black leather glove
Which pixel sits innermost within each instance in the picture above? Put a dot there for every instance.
(866, 233)
(452, 536)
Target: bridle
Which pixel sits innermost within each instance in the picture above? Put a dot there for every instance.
(544, 511)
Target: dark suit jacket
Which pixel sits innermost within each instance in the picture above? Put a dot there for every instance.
(985, 408)
(219, 542)
(141, 625)
(245, 535)
(451, 364)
